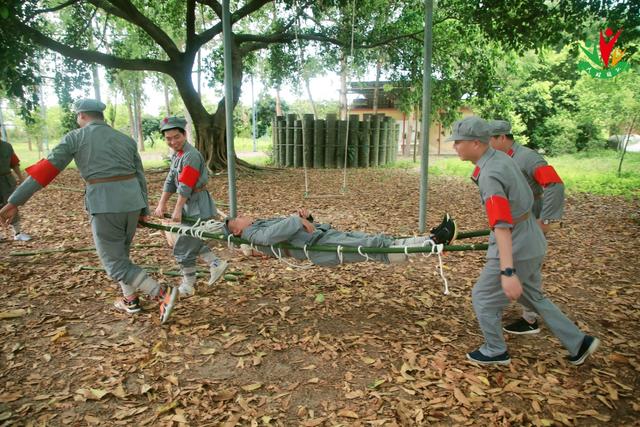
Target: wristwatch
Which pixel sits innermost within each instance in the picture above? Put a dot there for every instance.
(508, 272)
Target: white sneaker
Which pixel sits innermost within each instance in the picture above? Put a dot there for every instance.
(22, 237)
(186, 290)
(217, 271)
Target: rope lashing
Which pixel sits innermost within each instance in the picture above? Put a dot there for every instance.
(365, 256)
(459, 236)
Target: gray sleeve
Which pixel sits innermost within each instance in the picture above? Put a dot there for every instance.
(279, 232)
(169, 182)
(553, 193)
(24, 191)
(60, 157)
(142, 181)
(553, 201)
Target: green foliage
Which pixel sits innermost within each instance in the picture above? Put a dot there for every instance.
(150, 133)
(585, 172)
(555, 135)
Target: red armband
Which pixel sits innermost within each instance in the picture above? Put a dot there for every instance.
(43, 172)
(189, 176)
(498, 210)
(15, 161)
(546, 175)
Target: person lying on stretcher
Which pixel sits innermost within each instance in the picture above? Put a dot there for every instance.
(299, 230)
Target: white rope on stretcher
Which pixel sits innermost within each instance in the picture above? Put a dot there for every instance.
(364, 255)
(437, 249)
(339, 252)
(290, 264)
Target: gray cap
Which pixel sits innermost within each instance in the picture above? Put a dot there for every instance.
(88, 104)
(173, 122)
(469, 129)
(499, 127)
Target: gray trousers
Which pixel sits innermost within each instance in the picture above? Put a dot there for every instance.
(113, 234)
(489, 302)
(187, 249)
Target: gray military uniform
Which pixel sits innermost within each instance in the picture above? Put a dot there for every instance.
(101, 152)
(199, 202)
(499, 178)
(8, 160)
(266, 232)
(548, 200)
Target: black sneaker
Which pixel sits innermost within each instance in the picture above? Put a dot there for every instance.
(522, 327)
(130, 307)
(477, 357)
(446, 232)
(588, 347)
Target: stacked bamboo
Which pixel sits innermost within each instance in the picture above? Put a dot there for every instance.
(324, 143)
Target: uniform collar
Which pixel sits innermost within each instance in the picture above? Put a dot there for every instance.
(513, 150)
(97, 122)
(186, 147)
(480, 163)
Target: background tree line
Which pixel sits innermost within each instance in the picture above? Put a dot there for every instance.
(487, 55)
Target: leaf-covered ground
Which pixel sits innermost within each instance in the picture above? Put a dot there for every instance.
(362, 344)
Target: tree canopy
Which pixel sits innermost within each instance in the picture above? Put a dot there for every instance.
(470, 42)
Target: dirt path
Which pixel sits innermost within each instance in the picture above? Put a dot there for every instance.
(385, 347)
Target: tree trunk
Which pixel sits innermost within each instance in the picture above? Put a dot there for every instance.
(132, 123)
(210, 129)
(343, 88)
(167, 101)
(278, 103)
(138, 111)
(313, 104)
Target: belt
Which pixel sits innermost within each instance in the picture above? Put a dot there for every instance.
(199, 189)
(110, 179)
(521, 218)
(5, 174)
(538, 196)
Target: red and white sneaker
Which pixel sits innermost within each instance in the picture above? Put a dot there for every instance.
(167, 298)
(128, 306)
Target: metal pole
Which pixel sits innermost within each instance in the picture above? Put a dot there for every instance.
(43, 113)
(253, 116)
(426, 112)
(228, 106)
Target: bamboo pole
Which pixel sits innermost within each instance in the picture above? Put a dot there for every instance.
(291, 122)
(363, 144)
(318, 144)
(307, 139)
(330, 147)
(353, 150)
(297, 145)
(374, 152)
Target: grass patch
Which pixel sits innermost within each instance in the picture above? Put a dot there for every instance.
(245, 145)
(592, 172)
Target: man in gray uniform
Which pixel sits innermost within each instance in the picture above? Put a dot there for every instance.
(300, 230)
(516, 250)
(188, 177)
(115, 197)
(10, 162)
(548, 195)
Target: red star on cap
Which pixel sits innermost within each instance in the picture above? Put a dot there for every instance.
(165, 120)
